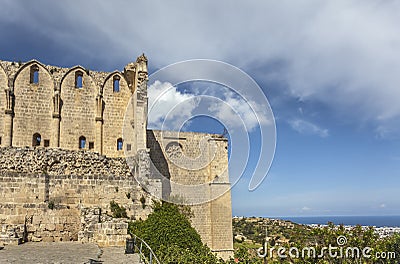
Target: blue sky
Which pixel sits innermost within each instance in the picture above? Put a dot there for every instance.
(330, 70)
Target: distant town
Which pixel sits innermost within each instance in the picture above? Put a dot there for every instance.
(382, 232)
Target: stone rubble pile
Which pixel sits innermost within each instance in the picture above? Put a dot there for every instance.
(60, 162)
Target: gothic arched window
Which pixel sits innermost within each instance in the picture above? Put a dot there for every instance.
(78, 79)
(116, 84)
(34, 74)
(119, 144)
(36, 139)
(82, 142)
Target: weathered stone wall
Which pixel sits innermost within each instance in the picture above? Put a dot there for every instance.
(3, 87)
(97, 227)
(115, 106)
(33, 105)
(60, 112)
(201, 160)
(45, 190)
(78, 110)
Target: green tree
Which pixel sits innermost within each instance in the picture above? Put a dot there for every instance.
(169, 233)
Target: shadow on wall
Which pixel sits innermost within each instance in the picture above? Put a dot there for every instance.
(159, 166)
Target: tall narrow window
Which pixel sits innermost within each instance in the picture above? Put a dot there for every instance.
(116, 84)
(78, 79)
(34, 74)
(36, 139)
(82, 142)
(119, 144)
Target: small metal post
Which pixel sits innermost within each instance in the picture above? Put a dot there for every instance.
(130, 246)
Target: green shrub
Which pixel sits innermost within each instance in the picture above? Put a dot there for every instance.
(117, 211)
(51, 205)
(171, 236)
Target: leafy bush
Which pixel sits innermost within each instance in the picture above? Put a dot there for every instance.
(171, 236)
(51, 205)
(117, 211)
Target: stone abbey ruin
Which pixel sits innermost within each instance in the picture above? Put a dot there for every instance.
(73, 140)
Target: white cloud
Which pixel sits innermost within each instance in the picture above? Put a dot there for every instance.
(167, 103)
(387, 129)
(234, 111)
(308, 128)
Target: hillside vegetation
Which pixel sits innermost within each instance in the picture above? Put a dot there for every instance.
(344, 243)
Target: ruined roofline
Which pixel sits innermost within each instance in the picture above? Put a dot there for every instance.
(19, 64)
(7, 65)
(170, 133)
(12, 69)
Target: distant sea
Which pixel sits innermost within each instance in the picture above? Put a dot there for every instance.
(378, 221)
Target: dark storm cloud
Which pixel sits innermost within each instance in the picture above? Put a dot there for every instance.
(342, 53)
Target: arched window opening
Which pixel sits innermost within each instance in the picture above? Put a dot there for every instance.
(119, 144)
(82, 142)
(116, 84)
(36, 139)
(78, 79)
(34, 74)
